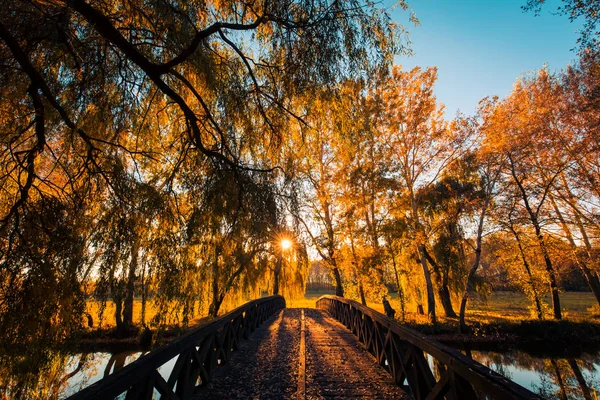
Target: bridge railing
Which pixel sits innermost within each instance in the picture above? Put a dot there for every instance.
(195, 355)
(403, 353)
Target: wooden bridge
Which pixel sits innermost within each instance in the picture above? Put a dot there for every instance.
(339, 350)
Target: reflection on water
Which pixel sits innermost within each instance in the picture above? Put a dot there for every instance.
(63, 374)
(95, 366)
(58, 374)
(554, 378)
(67, 374)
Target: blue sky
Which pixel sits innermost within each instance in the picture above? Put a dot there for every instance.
(482, 46)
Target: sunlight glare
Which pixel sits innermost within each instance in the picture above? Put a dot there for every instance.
(286, 244)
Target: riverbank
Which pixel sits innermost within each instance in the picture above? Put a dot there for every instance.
(560, 337)
(502, 318)
(137, 338)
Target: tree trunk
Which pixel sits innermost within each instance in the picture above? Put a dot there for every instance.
(474, 267)
(446, 300)
(144, 295)
(536, 297)
(213, 309)
(551, 275)
(361, 292)
(442, 281)
(429, 286)
(592, 279)
(216, 305)
(130, 289)
(276, 272)
(533, 216)
(339, 290)
(469, 288)
(398, 286)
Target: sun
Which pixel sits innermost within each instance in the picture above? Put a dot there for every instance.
(286, 244)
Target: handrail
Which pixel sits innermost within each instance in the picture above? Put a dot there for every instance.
(400, 351)
(198, 353)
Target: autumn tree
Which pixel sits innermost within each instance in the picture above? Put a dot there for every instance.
(525, 123)
(420, 146)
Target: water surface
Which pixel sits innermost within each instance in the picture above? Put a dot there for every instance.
(576, 377)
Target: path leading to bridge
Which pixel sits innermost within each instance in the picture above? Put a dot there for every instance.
(270, 364)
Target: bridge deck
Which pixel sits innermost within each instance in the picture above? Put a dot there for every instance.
(269, 364)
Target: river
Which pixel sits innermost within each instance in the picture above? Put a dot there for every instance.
(576, 377)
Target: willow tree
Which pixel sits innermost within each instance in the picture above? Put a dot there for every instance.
(125, 221)
(364, 184)
(575, 9)
(88, 65)
(233, 227)
(315, 152)
(154, 85)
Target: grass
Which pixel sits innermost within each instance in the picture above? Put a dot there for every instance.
(513, 307)
(497, 310)
(499, 307)
(501, 319)
(505, 317)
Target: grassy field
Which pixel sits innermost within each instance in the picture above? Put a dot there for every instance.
(509, 306)
(497, 308)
